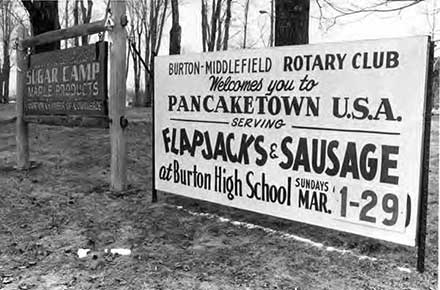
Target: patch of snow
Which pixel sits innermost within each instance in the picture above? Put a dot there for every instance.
(367, 258)
(404, 269)
(285, 235)
(120, 251)
(272, 231)
(224, 220)
(82, 253)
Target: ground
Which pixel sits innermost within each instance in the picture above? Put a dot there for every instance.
(48, 213)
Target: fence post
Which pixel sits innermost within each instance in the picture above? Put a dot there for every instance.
(22, 138)
(117, 93)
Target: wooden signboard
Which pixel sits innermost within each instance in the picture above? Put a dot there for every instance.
(69, 87)
(326, 134)
(70, 82)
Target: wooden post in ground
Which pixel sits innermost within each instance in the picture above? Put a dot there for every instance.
(117, 93)
(22, 138)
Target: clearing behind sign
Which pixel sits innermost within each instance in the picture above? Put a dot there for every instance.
(72, 81)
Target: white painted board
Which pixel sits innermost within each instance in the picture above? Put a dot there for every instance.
(326, 134)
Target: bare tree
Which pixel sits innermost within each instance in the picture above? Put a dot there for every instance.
(86, 16)
(153, 38)
(134, 41)
(216, 25)
(66, 19)
(176, 30)
(86, 13)
(291, 22)
(205, 30)
(331, 12)
(245, 22)
(227, 24)
(76, 19)
(432, 12)
(292, 16)
(151, 15)
(43, 16)
(6, 27)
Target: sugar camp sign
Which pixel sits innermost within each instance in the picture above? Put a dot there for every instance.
(72, 81)
(328, 134)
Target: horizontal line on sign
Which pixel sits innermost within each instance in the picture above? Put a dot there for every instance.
(346, 130)
(198, 121)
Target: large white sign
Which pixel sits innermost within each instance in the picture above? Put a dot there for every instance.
(326, 134)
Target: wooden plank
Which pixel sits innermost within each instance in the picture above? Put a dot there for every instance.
(22, 137)
(65, 33)
(72, 81)
(8, 121)
(69, 121)
(117, 99)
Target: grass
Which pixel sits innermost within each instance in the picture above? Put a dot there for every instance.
(48, 213)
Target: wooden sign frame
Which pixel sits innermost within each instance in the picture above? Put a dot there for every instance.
(64, 116)
(113, 117)
(72, 83)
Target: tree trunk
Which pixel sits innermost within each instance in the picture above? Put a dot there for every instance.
(137, 99)
(219, 35)
(6, 28)
(6, 71)
(1, 86)
(132, 43)
(86, 17)
(142, 97)
(127, 63)
(76, 19)
(6, 74)
(227, 24)
(66, 12)
(216, 8)
(153, 35)
(204, 25)
(158, 37)
(176, 31)
(43, 16)
(291, 22)
(147, 60)
(245, 23)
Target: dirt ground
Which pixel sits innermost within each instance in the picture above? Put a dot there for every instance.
(47, 214)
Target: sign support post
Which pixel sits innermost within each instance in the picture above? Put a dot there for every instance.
(423, 206)
(22, 137)
(153, 158)
(117, 98)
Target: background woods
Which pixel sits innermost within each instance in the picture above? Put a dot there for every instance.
(159, 27)
(43, 16)
(86, 16)
(145, 36)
